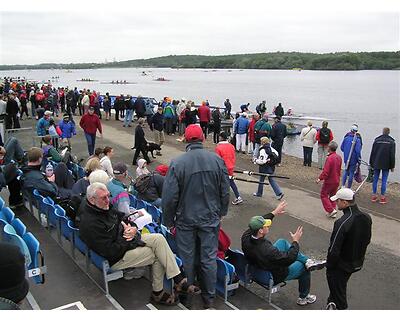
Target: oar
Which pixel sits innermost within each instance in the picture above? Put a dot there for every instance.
(251, 173)
(361, 184)
(251, 181)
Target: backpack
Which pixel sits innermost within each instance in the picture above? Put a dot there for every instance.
(324, 135)
(142, 182)
(71, 206)
(273, 156)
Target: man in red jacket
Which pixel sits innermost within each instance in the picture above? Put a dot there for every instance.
(90, 123)
(331, 177)
(205, 117)
(227, 152)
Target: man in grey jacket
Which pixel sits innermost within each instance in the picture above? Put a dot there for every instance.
(195, 198)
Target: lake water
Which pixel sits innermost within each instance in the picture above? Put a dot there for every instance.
(369, 98)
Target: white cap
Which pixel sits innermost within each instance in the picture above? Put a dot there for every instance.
(343, 194)
(354, 127)
(244, 114)
(48, 113)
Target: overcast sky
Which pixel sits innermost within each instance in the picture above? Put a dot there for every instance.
(83, 31)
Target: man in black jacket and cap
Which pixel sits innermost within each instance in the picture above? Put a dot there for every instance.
(104, 231)
(278, 135)
(350, 238)
(283, 259)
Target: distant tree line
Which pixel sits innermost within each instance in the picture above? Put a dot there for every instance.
(275, 60)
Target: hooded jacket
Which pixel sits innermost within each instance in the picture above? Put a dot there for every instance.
(264, 255)
(227, 152)
(141, 169)
(196, 189)
(67, 129)
(242, 125)
(383, 153)
(102, 231)
(150, 187)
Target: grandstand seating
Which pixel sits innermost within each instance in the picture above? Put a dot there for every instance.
(37, 268)
(226, 282)
(18, 226)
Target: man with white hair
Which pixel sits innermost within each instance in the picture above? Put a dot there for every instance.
(118, 240)
(350, 238)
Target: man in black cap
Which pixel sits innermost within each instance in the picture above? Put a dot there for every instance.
(283, 259)
(13, 285)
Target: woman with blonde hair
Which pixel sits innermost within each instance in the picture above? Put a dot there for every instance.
(81, 185)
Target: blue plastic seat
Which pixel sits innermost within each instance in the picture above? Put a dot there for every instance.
(7, 214)
(19, 227)
(1, 203)
(67, 232)
(37, 268)
(155, 213)
(225, 278)
(11, 236)
(79, 244)
(81, 172)
(237, 258)
(141, 204)
(132, 200)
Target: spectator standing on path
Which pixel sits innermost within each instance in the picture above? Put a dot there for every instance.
(205, 117)
(195, 197)
(129, 111)
(85, 102)
(107, 106)
(42, 126)
(67, 128)
(308, 137)
(261, 129)
(227, 152)
(216, 115)
(267, 159)
(139, 107)
(382, 158)
(278, 135)
(228, 108)
(241, 128)
(283, 259)
(90, 123)
(324, 136)
(157, 126)
(330, 176)
(140, 143)
(351, 147)
(279, 112)
(251, 133)
(168, 117)
(350, 238)
(12, 110)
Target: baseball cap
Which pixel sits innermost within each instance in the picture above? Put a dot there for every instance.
(343, 194)
(91, 108)
(48, 113)
(194, 132)
(120, 168)
(257, 222)
(354, 127)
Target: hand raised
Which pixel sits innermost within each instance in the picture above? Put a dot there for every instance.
(297, 235)
(280, 209)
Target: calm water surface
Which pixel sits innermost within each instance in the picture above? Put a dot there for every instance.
(369, 98)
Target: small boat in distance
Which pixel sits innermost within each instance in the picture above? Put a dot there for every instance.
(161, 79)
(87, 80)
(118, 82)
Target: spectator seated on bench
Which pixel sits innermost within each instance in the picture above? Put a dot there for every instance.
(32, 178)
(282, 259)
(106, 233)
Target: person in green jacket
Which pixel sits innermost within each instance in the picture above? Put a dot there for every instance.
(49, 151)
(261, 129)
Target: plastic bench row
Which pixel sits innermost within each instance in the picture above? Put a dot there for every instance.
(15, 232)
(248, 273)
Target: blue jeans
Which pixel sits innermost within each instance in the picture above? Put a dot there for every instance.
(349, 174)
(91, 141)
(272, 182)
(128, 117)
(256, 150)
(234, 188)
(385, 174)
(297, 269)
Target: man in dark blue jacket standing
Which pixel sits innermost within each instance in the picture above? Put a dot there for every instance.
(278, 135)
(157, 126)
(195, 197)
(383, 156)
(351, 147)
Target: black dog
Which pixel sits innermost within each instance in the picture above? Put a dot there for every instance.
(151, 147)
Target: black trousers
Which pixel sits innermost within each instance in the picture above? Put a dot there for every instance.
(14, 187)
(144, 153)
(217, 131)
(307, 156)
(337, 282)
(204, 127)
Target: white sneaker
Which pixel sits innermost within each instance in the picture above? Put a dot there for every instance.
(237, 201)
(332, 214)
(311, 298)
(331, 306)
(312, 264)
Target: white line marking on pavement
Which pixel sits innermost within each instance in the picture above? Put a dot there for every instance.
(78, 304)
(151, 307)
(32, 301)
(114, 302)
(230, 305)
